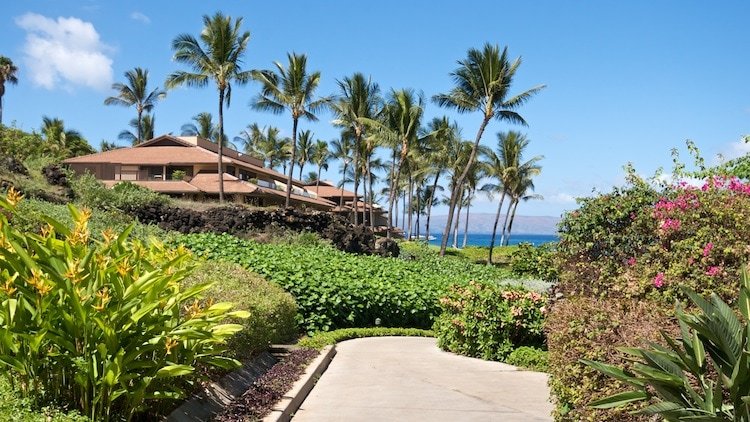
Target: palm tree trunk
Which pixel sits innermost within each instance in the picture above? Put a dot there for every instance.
(372, 196)
(392, 195)
(357, 140)
(410, 188)
(429, 206)
(317, 180)
(364, 200)
(419, 209)
(494, 228)
(396, 213)
(510, 225)
(140, 126)
(505, 223)
(220, 149)
(343, 186)
(291, 162)
(301, 166)
(458, 220)
(460, 181)
(403, 211)
(466, 224)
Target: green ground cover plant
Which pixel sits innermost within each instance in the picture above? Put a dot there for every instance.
(489, 321)
(328, 338)
(624, 258)
(98, 325)
(534, 261)
(272, 311)
(531, 358)
(702, 375)
(334, 289)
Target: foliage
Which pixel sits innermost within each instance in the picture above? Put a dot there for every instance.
(327, 338)
(259, 400)
(489, 321)
(334, 289)
(532, 358)
(16, 143)
(271, 310)
(17, 409)
(98, 324)
(624, 258)
(703, 375)
(178, 174)
(124, 196)
(528, 260)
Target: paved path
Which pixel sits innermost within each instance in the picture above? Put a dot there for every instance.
(410, 379)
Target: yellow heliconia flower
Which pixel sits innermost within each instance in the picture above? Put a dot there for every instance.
(9, 288)
(193, 309)
(109, 235)
(13, 196)
(74, 272)
(170, 344)
(47, 231)
(104, 298)
(123, 268)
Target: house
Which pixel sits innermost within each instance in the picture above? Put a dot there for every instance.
(187, 166)
(345, 203)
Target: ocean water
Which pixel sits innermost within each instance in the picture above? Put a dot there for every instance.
(483, 239)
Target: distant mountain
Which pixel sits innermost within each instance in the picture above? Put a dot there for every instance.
(482, 223)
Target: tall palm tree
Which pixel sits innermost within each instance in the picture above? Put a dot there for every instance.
(443, 137)
(305, 146)
(62, 141)
(320, 157)
(134, 93)
(266, 144)
(518, 193)
(506, 165)
(400, 125)
(290, 88)
(342, 149)
(205, 128)
(482, 83)
(358, 102)
(108, 146)
(8, 72)
(145, 128)
(216, 57)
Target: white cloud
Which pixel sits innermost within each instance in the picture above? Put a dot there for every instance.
(561, 198)
(735, 149)
(64, 52)
(140, 17)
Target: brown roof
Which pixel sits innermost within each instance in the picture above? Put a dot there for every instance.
(299, 198)
(164, 186)
(155, 155)
(209, 183)
(324, 191)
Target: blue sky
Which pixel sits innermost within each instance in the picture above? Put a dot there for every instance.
(626, 81)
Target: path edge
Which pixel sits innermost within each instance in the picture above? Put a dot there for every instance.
(285, 408)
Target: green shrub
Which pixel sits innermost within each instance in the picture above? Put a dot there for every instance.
(178, 174)
(334, 289)
(327, 338)
(534, 261)
(97, 325)
(489, 321)
(125, 196)
(703, 375)
(531, 358)
(625, 257)
(15, 408)
(271, 310)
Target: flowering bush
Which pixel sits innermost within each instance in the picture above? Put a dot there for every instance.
(489, 321)
(638, 248)
(101, 326)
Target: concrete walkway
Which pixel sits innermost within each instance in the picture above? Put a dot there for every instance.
(410, 379)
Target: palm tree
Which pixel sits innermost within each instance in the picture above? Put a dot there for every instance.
(320, 157)
(304, 149)
(62, 141)
(216, 56)
(483, 81)
(290, 88)
(108, 146)
(402, 118)
(205, 128)
(506, 165)
(146, 129)
(135, 93)
(265, 144)
(518, 193)
(444, 136)
(8, 72)
(358, 102)
(342, 150)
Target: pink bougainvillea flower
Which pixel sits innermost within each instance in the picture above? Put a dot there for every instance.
(713, 271)
(659, 280)
(707, 248)
(631, 261)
